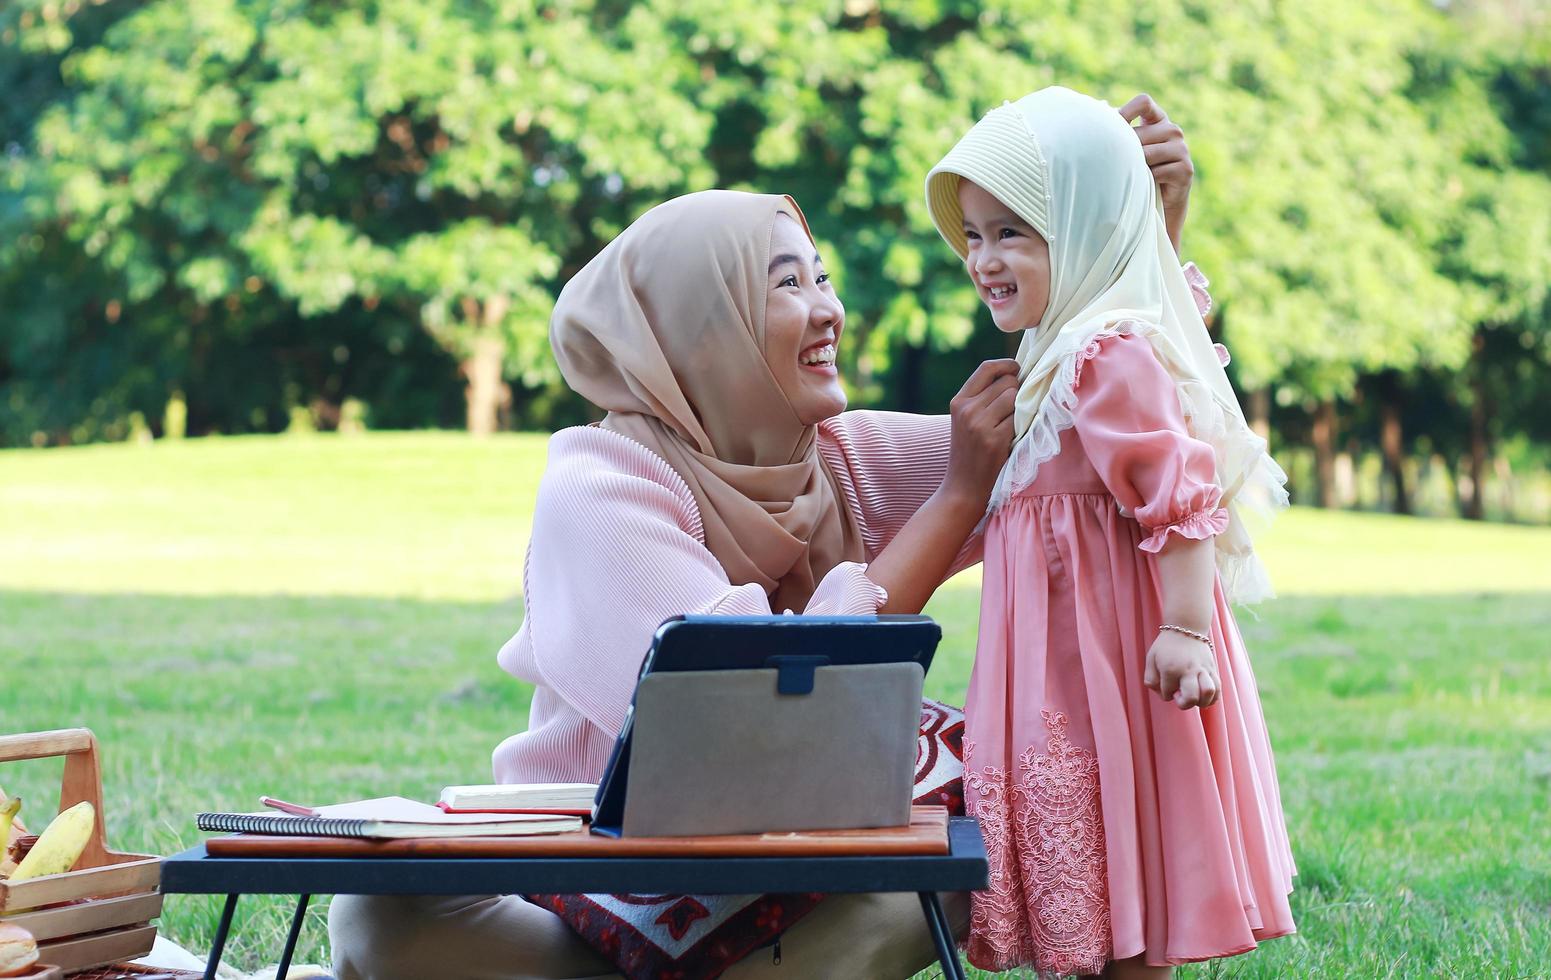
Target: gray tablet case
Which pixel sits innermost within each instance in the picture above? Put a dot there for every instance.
(725, 752)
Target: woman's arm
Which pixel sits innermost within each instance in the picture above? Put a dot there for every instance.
(887, 465)
(917, 559)
(1169, 158)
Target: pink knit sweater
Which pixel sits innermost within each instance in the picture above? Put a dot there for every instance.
(617, 547)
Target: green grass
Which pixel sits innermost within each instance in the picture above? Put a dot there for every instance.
(318, 617)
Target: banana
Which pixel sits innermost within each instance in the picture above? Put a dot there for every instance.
(61, 844)
(8, 809)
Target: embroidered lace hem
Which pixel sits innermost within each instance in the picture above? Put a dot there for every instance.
(1047, 904)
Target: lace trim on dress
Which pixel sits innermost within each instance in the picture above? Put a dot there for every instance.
(1047, 903)
(1254, 485)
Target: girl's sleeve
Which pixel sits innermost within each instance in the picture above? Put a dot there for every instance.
(887, 465)
(1198, 283)
(1130, 424)
(615, 551)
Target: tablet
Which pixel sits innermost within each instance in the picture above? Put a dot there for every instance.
(794, 646)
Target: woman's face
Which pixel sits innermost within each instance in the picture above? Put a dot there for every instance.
(1008, 260)
(803, 322)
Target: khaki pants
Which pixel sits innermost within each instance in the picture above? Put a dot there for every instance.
(490, 937)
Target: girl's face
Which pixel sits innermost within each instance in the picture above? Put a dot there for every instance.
(803, 322)
(1008, 260)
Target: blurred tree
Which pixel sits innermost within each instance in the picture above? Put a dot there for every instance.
(254, 205)
(1479, 93)
(443, 157)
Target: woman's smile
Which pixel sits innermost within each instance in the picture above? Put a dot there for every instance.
(819, 357)
(803, 324)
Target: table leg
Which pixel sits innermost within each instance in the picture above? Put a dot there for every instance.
(942, 936)
(290, 939)
(220, 936)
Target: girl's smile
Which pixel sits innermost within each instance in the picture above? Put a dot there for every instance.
(1000, 293)
(1008, 260)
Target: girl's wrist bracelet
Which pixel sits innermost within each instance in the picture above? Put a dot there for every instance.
(1190, 633)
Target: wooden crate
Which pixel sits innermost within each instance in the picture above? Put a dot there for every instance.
(100, 912)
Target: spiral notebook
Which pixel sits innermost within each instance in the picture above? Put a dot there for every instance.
(391, 817)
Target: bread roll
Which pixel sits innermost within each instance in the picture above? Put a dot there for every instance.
(18, 950)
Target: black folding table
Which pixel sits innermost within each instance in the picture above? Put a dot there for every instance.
(963, 868)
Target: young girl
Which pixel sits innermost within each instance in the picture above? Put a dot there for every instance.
(1128, 829)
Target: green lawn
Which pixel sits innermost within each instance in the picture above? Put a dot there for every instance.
(318, 617)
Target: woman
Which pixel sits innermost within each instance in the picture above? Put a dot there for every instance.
(726, 479)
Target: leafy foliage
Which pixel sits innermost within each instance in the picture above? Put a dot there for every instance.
(183, 186)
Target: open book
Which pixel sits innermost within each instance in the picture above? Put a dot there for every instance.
(575, 798)
(387, 817)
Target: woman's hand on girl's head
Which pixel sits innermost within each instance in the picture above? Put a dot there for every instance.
(1168, 157)
(981, 432)
(1182, 670)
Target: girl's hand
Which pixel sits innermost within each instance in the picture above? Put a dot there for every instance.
(1169, 158)
(1182, 670)
(981, 432)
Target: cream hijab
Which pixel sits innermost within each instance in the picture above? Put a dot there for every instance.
(665, 330)
(1072, 168)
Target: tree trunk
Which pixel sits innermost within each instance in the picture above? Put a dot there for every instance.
(1346, 481)
(912, 372)
(1505, 499)
(1475, 504)
(484, 390)
(325, 413)
(486, 393)
(1260, 412)
(1323, 435)
(1456, 479)
(1392, 442)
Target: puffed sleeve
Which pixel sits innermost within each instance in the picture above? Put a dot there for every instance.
(1130, 424)
(616, 549)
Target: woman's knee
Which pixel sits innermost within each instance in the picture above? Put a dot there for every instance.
(471, 937)
(881, 936)
(380, 937)
(956, 906)
(411, 937)
(890, 935)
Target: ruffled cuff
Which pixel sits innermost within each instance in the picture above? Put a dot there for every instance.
(1198, 283)
(847, 591)
(1196, 527)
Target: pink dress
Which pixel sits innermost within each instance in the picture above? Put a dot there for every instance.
(1116, 824)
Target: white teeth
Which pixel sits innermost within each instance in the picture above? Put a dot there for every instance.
(1002, 292)
(819, 355)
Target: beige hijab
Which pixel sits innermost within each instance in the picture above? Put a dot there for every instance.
(665, 330)
(1071, 167)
